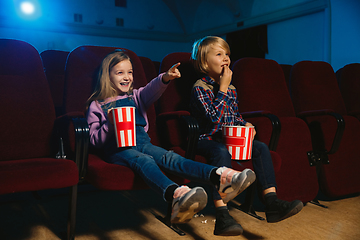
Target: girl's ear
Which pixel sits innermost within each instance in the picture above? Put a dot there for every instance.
(206, 66)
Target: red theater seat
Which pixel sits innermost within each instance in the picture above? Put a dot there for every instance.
(149, 68)
(335, 135)
(349, 83)
(182, 135)
(29, 134)
(54, 66)
(286, 70)
(80, 79)
(173, 107)
(81, 72)
(157, 66)
(261, 88)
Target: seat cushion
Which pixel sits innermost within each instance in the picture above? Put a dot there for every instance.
(37, 174)
(107, 176)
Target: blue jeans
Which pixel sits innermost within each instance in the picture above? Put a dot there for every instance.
(148, 161)
(217, 155)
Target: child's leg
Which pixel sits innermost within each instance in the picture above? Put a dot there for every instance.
(232, 182)
(146, 167)
(263, 166)
(276, 209)
(180, 166)
(185, 201)
(217, 155)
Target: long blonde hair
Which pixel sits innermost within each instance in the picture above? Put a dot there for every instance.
(104, 87)
(201, 48)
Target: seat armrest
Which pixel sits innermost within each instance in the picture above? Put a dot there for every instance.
(340, 125)
(72, 133)
(313, 113)
(275, 123)
(188, 122)
(355, 114)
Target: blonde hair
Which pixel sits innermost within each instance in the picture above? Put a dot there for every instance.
(201, 48)
(104, 87)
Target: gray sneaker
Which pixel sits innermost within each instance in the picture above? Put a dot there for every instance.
(233, 182)
(187, 202)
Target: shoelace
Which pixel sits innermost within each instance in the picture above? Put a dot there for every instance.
(227, 175)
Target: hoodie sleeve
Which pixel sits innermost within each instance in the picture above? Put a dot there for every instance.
(100, 127)
(152, 91)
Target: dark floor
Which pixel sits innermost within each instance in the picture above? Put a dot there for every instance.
(107, 215)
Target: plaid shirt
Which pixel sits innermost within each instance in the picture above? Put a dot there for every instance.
(213, 108)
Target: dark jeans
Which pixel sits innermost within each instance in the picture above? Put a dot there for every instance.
(217, 155)
(148, 160)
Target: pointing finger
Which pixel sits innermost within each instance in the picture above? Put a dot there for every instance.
(176, 65)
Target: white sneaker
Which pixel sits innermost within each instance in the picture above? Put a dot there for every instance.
(233, 182)
(187, 202)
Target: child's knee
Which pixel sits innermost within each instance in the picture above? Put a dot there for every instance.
(260, 146)
(143, 159)
(224, 152)
(221, 157)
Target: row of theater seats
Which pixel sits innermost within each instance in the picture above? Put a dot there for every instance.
(32, 138)
(303, 124)
(348, 79)
(302, 118)
(303, 130)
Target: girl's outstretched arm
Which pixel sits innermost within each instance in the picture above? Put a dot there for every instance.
(172, 73)
(155, 88)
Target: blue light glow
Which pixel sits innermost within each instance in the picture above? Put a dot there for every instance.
(27, 8)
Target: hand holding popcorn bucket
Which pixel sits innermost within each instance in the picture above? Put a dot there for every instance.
(238, 140)
(124, 123)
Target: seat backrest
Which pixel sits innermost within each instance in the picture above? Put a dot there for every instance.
(157, 66)
(177, 95)
(314, 86)
(286, 70)
(349, 83)
(81, 75)
(54, 65)
(149, 68)
(260, 84)
(26, 124)
(176, 98)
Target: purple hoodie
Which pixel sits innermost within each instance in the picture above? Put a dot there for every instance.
(101, 129)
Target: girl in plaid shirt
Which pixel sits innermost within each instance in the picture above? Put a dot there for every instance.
(214, 104)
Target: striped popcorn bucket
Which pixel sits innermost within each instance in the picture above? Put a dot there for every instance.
(238, 140)
(124, 123)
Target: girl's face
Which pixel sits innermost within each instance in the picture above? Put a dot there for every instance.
(216, 59)
(121, 75)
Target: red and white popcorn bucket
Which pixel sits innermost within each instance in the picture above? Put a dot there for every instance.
(238, 140)
(124, 123)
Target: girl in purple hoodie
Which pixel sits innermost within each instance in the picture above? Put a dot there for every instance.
(114, 89)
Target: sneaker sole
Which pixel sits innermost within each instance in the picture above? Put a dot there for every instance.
(245, 183)
(190, 205)
(292, 212)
